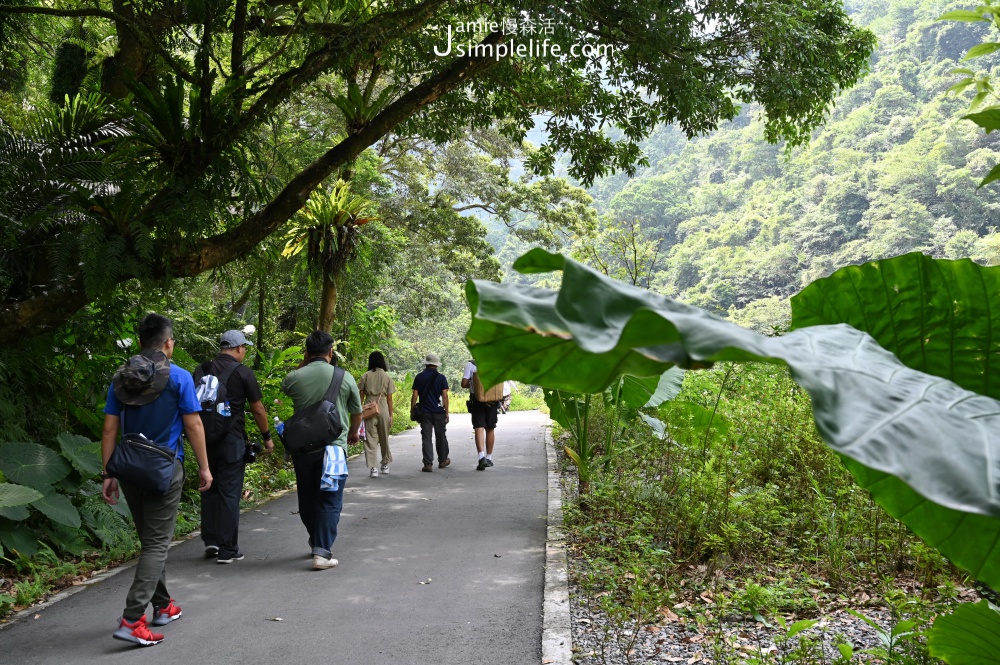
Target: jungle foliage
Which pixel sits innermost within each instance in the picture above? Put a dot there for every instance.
(190, 100)
(735, 225)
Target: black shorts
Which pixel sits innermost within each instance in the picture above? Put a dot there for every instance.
(484, 414)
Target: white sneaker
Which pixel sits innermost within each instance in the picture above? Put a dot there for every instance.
(322, 563)
(385, 469)
(374, 473)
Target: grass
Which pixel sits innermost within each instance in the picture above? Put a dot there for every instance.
(754, 513)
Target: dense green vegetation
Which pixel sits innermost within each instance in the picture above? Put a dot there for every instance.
(230, 163)
(736, 225)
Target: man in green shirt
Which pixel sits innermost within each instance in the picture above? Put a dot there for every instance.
(320, 509)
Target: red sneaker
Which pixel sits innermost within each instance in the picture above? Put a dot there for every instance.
(137, 632)
(163, 616)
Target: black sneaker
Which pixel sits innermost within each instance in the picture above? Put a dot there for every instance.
(482, 464)
(211, 551)
(236, 557)
(489, 462)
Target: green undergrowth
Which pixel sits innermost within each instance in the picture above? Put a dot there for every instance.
(749, 516)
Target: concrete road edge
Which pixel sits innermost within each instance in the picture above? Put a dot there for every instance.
(557, 636)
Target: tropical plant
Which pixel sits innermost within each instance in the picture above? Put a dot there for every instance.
(919, 438)
(987, 117)
(53, 496)
(621, 404)
(327, 229)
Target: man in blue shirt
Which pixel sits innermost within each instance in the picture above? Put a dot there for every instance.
(157, 404)
(431, 387)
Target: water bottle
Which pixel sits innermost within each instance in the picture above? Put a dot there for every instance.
(224, 409)
(279, 426)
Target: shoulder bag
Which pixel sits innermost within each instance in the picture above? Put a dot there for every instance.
(144, 463)
(317, 425)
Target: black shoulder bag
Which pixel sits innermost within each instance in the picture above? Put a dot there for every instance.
(318, 425)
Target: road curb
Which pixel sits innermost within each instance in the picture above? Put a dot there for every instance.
(557, 636)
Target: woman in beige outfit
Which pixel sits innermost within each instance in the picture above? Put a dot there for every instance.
(376, 385)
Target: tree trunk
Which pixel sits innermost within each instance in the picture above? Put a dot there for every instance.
(261, 301)
(328, 301)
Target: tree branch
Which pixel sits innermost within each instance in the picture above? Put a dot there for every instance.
(221, 249)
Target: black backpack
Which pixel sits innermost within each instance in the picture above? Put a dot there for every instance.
(318, 425)
(215, 414)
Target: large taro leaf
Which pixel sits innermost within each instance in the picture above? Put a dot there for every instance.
(83, 453)
(968, 636)
(565, 407)
(927, 449)
(18, 538)
(31, 464)
(59, 509)
(940, 317)
(12, 495)
(651, 391)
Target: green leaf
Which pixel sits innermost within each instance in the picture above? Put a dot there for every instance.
(934, 315)
(12, 495)
(967, 636)
(922, 445)
(799, 626)
(59, 509)
(564, 407)
(992, 176)
(981, 50)
(658, 426)
(66, 539)
(696, 417)
(963, 15)
(988, 119)
(19, 539)
(651, 391)
(83, 453)
(960, 86)
(962, 70)
(31, 464)
(15, 513)
(846, 650)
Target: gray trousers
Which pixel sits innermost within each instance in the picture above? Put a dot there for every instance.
(434, 421)
(154, 517)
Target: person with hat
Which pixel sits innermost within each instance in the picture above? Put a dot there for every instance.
(319, 507)
(431, 387)
(151, 396)
(220, 505)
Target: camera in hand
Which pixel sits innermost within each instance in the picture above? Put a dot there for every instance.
(252, 450)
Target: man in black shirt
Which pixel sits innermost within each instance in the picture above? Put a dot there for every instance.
(431, 387)
(220, 505)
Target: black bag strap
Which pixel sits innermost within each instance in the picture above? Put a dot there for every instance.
(338, 378)
(224, 377)
(205, 369)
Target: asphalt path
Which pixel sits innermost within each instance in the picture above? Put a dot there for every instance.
(435, 568)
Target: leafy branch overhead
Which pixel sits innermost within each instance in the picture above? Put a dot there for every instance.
(196, 89)
(923, 445)
(987, 117)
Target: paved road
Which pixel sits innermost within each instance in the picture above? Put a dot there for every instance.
(478, 537)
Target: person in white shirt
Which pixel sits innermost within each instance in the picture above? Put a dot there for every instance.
(484, 419)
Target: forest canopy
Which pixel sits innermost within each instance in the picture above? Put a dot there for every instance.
(151, 140)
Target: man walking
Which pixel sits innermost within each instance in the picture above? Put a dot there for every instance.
(153, 397)
(431, 387)
(319, 509)
(484, 415)
(220, 505)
